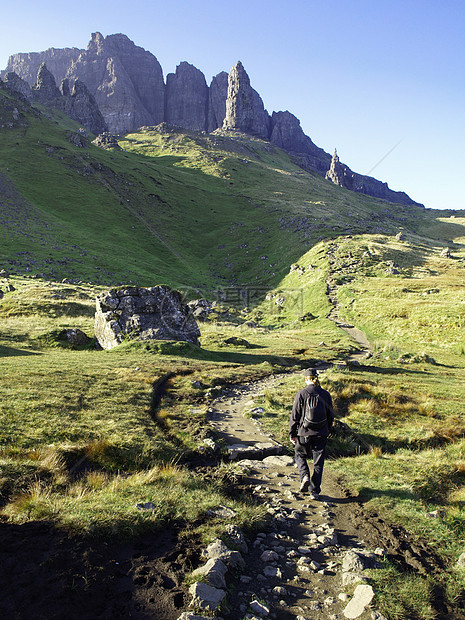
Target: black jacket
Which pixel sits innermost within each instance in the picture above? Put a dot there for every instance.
(298, 409)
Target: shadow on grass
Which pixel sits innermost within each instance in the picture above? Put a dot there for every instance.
(393, 370)
(365, 494)
(10, 352)
(190, 351)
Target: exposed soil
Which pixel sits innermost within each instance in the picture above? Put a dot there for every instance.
(46, 574)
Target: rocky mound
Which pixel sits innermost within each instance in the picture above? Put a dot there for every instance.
(135, 313)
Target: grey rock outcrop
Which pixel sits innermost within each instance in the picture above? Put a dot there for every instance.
(218, 93)
(80, 105)
(18, 85)
(26, 66)
(45, 90)
(186, 100)
(336, 172)
(342, 175)
(75, 101)
(156, 313)
(287, 134)
(245, 111)
(126, 81)
(106, 140)
(127, 84)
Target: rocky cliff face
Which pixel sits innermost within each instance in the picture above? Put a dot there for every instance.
(244, 108)
(45, 91)
(126, 81)
(342, 175)
(218, 93)
(26, 66)
(287, 133)
(75, 100)
(186, 101)
(80, 105)
(15, 83)
(127, 84)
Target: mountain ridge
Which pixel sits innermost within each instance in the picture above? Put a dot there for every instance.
(128, 86)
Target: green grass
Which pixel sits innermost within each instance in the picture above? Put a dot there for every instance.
(181, 208)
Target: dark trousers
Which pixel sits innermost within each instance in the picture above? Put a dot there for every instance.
(314, 447)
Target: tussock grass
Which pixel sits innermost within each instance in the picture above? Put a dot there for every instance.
(413, 594)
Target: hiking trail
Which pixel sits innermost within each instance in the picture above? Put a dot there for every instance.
(316, 549)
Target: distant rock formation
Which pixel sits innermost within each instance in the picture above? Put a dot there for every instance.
(45, 90)
(335, 173)
(75, 101)
(80, 105)
(15, 83)
(218, 93)
(186, 100)
(126, 81)
(342, 175)
(134, 313)
(57, 60)
(287, 133)
(244, 108)
(127, 84)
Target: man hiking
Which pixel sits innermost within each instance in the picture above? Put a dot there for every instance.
(311, 420)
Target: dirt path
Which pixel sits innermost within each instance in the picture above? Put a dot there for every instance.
(356, 334)
(304, 531)
(299, 519)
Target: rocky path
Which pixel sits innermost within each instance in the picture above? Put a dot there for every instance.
(315, 549)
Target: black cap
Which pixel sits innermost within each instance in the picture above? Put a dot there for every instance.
(310, 372)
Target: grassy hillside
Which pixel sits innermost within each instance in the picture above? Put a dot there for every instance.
(183, 209)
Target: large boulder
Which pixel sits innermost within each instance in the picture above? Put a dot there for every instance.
(156, 313)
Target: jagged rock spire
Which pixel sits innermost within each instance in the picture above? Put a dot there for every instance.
(186, 98)
(244, 107)
(45, 90)
(335, 172)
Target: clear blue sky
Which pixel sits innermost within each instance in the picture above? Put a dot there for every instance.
(361, 75)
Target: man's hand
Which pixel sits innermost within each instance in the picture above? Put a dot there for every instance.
(293, 440)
